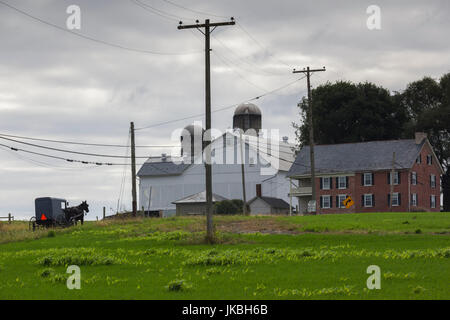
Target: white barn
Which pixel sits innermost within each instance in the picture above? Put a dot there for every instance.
(165, 179)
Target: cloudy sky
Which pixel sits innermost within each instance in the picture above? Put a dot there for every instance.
(56, 85)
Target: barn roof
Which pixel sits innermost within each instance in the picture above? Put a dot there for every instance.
(352, 157)
(199, 198)
(273, 202)
(162, 168)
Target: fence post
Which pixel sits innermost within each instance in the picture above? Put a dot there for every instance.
(143, 211)
(9, 217)
(104, 213)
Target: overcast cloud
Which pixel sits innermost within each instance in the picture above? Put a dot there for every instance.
(58, 86)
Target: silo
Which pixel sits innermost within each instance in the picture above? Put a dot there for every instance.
(247, 116)
(191, 142)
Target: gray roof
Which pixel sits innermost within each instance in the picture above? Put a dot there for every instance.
(353, 157)
(199, 198)
(273, 202)
(163, 168)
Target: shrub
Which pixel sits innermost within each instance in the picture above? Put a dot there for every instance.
(418, 231)
(230, 207)
(51, 234)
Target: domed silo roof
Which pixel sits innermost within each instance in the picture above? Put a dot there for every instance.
(248, 118)
(247, 108)
(194, 129)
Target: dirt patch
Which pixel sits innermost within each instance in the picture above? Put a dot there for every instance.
(266, 225)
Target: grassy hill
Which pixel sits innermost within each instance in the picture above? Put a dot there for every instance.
(302, 257)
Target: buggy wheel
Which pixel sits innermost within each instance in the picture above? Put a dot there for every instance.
(60, 221)
(32, 224)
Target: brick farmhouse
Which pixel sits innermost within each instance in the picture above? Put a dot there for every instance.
(362, 171)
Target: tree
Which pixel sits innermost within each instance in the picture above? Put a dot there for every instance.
(346, 112)
(428, 104)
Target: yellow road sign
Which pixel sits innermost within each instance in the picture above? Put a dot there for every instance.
(348, 202)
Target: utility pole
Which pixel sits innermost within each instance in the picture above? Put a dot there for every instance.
(391, 178)
(133, 169)
(308, 72)
(244, 197)
(208, 169)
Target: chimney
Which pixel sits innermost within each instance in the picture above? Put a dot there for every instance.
(258, 190)
(420, 136)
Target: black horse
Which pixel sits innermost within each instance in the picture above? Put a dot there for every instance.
(76, 213)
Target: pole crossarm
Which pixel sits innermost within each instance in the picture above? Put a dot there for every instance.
(203, 25)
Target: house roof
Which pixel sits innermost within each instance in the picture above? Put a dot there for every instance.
(199, 198)
(352, 157)
(162, 168)
(273, 202)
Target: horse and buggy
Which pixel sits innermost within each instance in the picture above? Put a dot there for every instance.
(54, 212)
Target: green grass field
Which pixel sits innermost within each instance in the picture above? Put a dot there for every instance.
(303, 257)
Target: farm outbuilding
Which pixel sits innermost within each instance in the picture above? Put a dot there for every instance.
(268, 205)
(195, 204)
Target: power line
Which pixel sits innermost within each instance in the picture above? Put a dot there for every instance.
(195, 11)
(222, 108)
(260, 45)
(159, 12)
(110, 44)
(83, 143)
(68, 151)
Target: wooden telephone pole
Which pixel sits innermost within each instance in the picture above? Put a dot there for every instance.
(207, 32)
(133, 170)
(308, 72)
(244, 197)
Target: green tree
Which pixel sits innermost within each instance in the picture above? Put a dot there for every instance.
(428, 105)
(347, 112)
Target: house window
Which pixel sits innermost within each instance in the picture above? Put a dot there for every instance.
(252, 162)
(326, 183)
(340, 200)
(433, 181)
(396, 177)
(326, 202)
(414, 199)
(368, 179)
(413, 178)
(342, 182)
(368, 200)
(433, 201)
(395, 199)
(419, 159)
(429, 159)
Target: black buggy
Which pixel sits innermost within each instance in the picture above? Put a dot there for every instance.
(54, 212)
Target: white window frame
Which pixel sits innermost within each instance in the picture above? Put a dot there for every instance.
(345, 183)
(433, 181)
(414, 200)
(323, 183)
(371, 181)
(429, 159)
(323, 202)
(394, 179)
(395, 197)
(419, 159)
(341, 198)
(433, 201)
(368, 196)
(414, 178)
